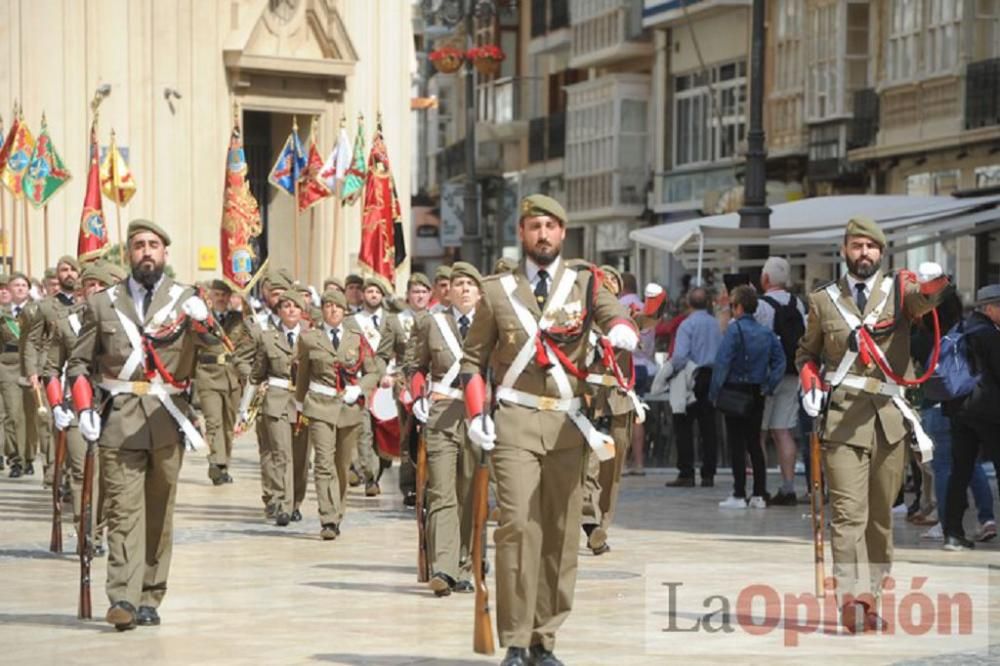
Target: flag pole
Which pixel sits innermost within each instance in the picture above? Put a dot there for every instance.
(296, 204)
(27, 236)
(3, 229)
(13, 234)
(334, 237)
(45, 223)
(118, 221)
(312, 240)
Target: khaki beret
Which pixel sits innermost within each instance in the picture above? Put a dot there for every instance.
(69, 259)
(221, 285)
(865, 226)
(418, 278)
(443, 272)
(315, 315)
(354, 278)
(18, 274)
(116, 271)
(137, 226)
(98, 270)
(539, 204)
(49, 274)
(504, 264)
(380, 282)
(293, 296)
(465, 269)
(612, 271)
(334, 281)
(335, 297)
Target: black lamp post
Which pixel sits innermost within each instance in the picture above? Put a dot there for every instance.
(450, 13)
(755, 213)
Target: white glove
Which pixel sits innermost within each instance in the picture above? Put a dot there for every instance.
(61, 417)
(623, 336)
(195, 308)
(812, 402)
(929, 270)
(90, 425)
(351, 394)
(482, 432)
(298, 407)
(640, 412)
(421, 410)
(242, 417)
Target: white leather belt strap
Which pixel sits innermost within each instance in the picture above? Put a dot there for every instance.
(602, 380)
(446, 390)
(133, 333)
(539, 402)
(870, 385)
(74, 323)
(454, 347)
(323, 389)
(833, 291)
(279, 382)
(162, 392)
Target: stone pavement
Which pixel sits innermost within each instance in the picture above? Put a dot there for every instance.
(244, 591)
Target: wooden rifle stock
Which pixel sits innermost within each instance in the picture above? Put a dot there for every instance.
(482, 637)
(423, 568)
(86, 539)
(55, 541)
(816, 506)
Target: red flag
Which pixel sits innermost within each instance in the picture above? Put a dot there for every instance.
(312, 189)
(241, 223)
(92, 241)
(381, 213)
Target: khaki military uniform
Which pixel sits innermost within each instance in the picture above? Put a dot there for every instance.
(540, 459)
(218, 380)
(367, 457)
(334, 426)
(864, 433)
(261, 322)
(15, 426)
(451, 459)
(392, 352)
(142, 443)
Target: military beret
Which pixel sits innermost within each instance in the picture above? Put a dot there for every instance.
(465, 269)
(612, 271)
(137, 226)
(443, 272)
(97, 270)
(503, 265)
(539, 204)
(293, 296)
(221, 285)
(70, 260)
(380, 282)
(354, 278)
(392, 305)
(115, 271)
(418, 278)
(18, 275)
(333, 281)
(865, 226)
(49, 274)
(335, 297)
(315, 315)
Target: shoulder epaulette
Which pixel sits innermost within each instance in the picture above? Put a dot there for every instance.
(579, 263)
(494, 276)
(823, 286)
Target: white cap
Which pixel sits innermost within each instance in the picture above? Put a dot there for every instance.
(777, 270)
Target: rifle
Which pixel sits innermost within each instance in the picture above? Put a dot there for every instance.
(55, 541)
(86, 545)
(423, 562)
(482, 636)
(816, 505)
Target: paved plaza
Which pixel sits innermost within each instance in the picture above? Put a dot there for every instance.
(244, 591)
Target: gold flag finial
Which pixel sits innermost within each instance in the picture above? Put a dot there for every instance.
(343, 121)
(236, 112)
(44, 124)
(295, 123)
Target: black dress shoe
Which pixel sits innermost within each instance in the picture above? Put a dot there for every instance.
(282, 519)
(1, 463)
(681, 482)
(542, 657)
(410, 499)
(269, 510)
(372, 489)
(781, 498)
(147, 617)
(29, 469)
(329, 532)
(15, 471)
(296, 515)
(464, 587)
(516, 656)
(441, 584)
(603, 548)
(121, 615)
(226, 478)
(218, 481)
(957, 544)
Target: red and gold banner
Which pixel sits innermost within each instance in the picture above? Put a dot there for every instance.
(92, 241)
(241, 222)
(312, 189)
(380, 214)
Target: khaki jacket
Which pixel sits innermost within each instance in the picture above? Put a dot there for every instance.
(853, 415)
(275, 358)
(10, 345)
(319, 362)
(221, 370)
(38, 323)
(429, 353)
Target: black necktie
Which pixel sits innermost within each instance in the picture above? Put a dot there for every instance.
(17, 311)
(463, 326)
(375, 321)
(147, 302)
(335, 338)
(291, 338)
(860, 298)
(542, 287)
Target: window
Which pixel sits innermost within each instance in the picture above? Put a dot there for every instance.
(944, 23)
(988, 176)
(987, 30)
(822, 82)
(709, 121)
(904, 31)
(937, 183)
(788, 46)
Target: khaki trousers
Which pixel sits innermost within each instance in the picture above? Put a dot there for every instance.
(333, 449)
(863, 485)
(15, 428)
(451, 465)
(267, 478)
(301, 445)
(219, 412)
(600, 489)
(140, 488)
(367, 458)
(279, 440)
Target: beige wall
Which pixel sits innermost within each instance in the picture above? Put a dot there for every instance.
(56, 52)
(733, 24)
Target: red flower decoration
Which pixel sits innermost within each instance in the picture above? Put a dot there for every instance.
(486, 52)
(446, 52)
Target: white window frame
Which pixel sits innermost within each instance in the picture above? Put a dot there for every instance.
(788, 69)
(703, 126)
(823, 69)
(943, 36)
(989, 23)
(906, 22)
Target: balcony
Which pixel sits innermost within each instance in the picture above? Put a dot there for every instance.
(607, 31)
(503, 108)
(546, 138)
(687, 190)
(982, 94)
(450, 162)
(549, 26)
(863, 128)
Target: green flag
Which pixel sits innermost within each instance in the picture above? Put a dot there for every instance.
(354, 179)
(46, 172)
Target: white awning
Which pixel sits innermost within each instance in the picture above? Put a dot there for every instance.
(811, 230)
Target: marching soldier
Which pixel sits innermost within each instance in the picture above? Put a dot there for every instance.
(858, 334)
(442, 289)
(21, 448)
(218, 378)
(273, 364)
(336, 367)
(38, 323)
(436, 354)
(617, 407)
(354, 287)
(138, 342)
(532, 329)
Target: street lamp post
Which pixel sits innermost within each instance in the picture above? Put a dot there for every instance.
(451, 13)
(755, 213)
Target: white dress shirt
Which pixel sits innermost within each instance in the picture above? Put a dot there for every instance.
(869, 285)
(138, 293)
(294, 331)
(531, 270)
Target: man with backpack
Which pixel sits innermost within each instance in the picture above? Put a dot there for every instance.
(977, 416)
(785, 314)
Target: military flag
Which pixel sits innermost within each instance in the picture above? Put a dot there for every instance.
(291, 161)
(312, 188)
(92, 241)
(17, 151)
(117, 183)
(354, 179)
(241, 223)
(8, 141)
(46, 173)
(339, 161)
(381, 217)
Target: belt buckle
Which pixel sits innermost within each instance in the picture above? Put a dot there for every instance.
(873, 385)
(548, 404)
(221, 359)
(140, 388)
